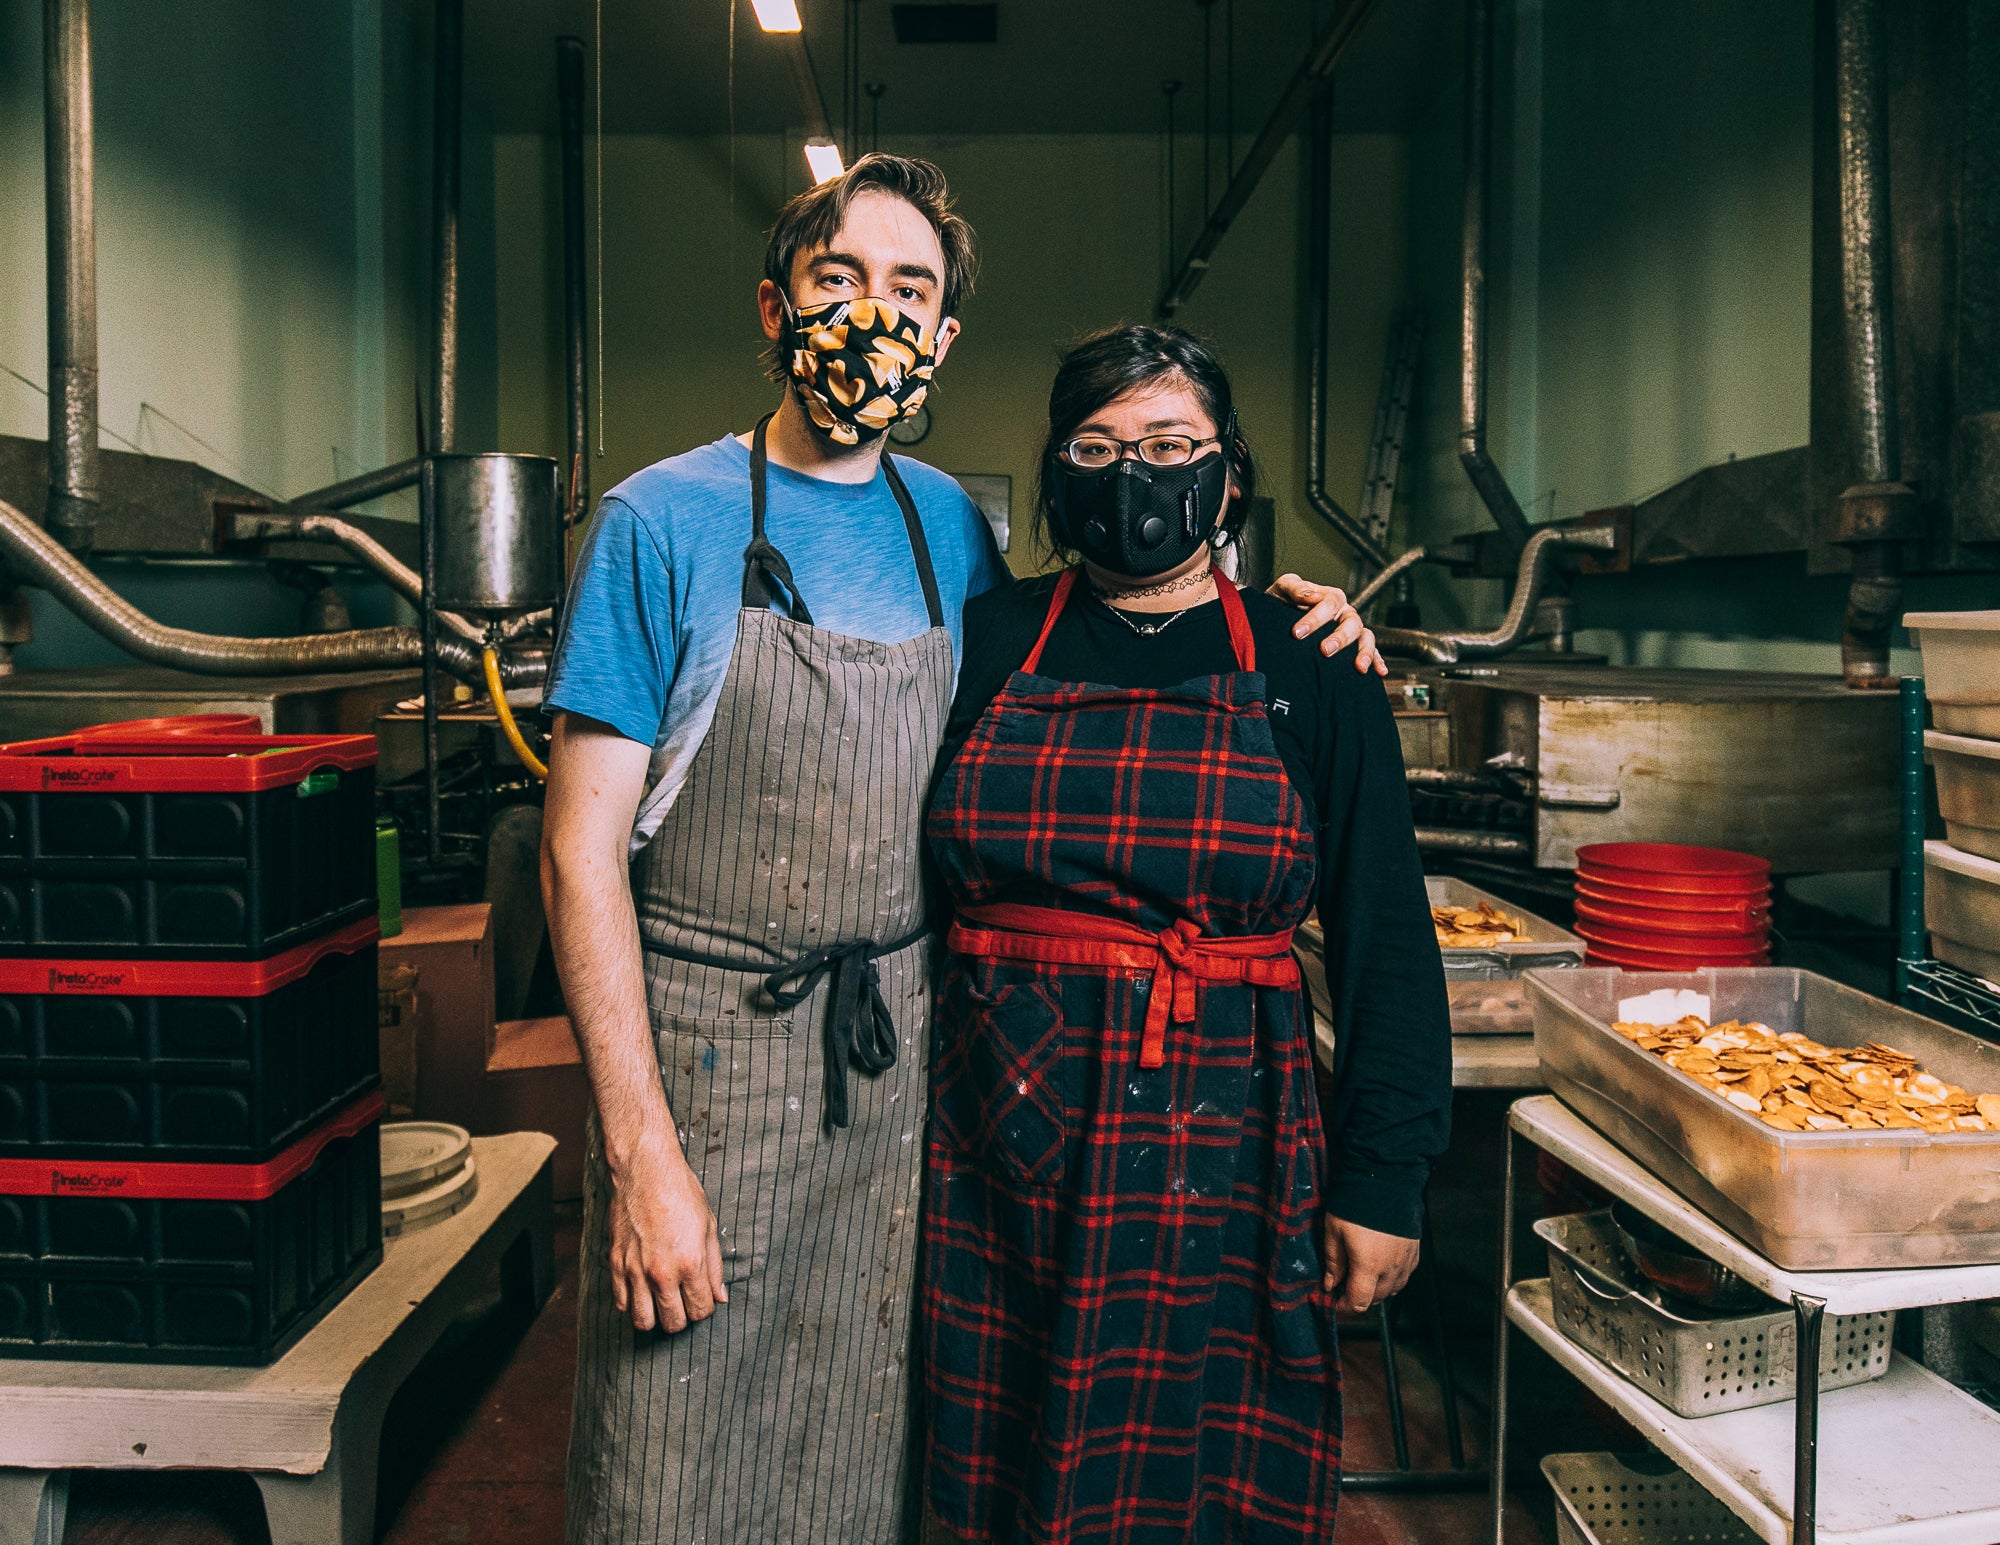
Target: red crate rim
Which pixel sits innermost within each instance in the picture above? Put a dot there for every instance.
(1749, 923)
(182, 978)
(150, 756)
(1664, 861)
(130, 1180)
(1681, 903)
(1731, 949)
(1672, 965)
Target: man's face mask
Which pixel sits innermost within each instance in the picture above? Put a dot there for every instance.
(858, 365)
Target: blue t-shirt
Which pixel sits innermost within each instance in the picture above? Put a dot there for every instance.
(651, 620)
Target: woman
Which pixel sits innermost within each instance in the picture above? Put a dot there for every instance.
(1137, 1230)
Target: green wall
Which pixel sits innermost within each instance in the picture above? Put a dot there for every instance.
(1071, 233)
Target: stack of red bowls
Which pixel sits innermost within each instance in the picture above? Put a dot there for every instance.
(1661, 906)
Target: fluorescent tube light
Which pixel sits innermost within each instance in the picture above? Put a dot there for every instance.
(778, 15)
(823, 156)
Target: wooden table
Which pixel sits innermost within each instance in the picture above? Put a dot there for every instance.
(307, 1428)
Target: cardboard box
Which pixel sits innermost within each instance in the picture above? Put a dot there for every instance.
(396, 1020)
(535, 1083)
(451, 949)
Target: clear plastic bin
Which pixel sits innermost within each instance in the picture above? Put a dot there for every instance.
(1810, 1201)
(1636, 1499)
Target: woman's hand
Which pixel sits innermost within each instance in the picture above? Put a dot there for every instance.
(1365, 1265)
(1323, 604)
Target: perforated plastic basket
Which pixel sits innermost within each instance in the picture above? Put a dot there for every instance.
(1695, 1367)
(1636, 1499)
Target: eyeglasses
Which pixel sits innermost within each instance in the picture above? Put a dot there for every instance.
(1093, 453)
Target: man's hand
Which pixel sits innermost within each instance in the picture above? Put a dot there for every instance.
(1365, 1265)
(666, 1258)
(1323, 604)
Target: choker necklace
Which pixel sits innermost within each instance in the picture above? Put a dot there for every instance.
(1193, 577)
(1148, 629)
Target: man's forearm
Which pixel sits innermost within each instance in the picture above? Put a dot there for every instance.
(594, 935)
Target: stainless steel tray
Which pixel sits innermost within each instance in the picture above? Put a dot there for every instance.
(1694, 1367)
(1810, 1201)
(1483, 983)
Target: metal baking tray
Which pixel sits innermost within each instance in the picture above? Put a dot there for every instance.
(1483, 983)
(1692, 1363)
(1809, 1201)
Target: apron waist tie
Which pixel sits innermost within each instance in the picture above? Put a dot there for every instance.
(859, 1027)
(1179, 958)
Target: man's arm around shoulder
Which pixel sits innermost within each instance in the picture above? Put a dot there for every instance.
(666, 1257)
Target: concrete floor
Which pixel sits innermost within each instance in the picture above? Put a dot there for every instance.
(473, 1449)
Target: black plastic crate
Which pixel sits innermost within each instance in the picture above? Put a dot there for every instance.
(223, 1061)
(219, 845)
(178, 1263)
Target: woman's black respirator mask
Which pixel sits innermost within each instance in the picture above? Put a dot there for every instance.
(1141, 520)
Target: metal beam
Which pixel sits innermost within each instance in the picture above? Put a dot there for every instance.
(72, 258)
(1318, 65)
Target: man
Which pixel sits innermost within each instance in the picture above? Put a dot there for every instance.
(757, 658)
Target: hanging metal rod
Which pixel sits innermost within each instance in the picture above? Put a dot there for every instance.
(1318, 65)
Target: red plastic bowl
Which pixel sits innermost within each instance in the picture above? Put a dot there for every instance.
(1688, 949)
(1744, 923)
(1726, 911)
(1672, 866)
(1646, 960)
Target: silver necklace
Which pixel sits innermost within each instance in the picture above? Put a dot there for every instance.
(1147, 629)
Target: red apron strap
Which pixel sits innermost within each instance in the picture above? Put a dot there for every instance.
(1064, 586)
(1239, 622)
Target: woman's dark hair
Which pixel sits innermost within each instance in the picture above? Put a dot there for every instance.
(1114, 362)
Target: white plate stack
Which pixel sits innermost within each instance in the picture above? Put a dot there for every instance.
(427, 1174)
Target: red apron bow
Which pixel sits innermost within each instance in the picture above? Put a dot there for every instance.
(1179, 958)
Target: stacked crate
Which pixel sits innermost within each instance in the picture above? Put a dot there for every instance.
(189, 1085)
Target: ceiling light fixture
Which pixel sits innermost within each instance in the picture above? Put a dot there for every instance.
(778, 15)
(823, 156)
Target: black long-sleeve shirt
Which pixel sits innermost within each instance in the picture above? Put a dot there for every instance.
(1391, 1107)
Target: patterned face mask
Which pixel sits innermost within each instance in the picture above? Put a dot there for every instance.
(859, 365)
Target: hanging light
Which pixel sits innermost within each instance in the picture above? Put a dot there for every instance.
(778, 15)
(823, 156)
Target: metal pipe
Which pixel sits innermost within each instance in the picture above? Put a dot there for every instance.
(1875, 516)
(1439, 839)
(365, 550)
(1395, 570)
(1537, 563)
(359, 490)
(69, 160)
(1319, 259)
(35, 558)
(1472, 455)
(1317, 66)
(448, 82)
(1410, 641)
(427, 612)
(569, 98)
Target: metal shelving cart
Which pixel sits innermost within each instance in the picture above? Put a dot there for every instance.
(1917, 1460)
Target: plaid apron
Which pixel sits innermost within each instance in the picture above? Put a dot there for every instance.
(1126, 1339)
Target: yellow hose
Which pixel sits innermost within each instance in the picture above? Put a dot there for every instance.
(506, 715)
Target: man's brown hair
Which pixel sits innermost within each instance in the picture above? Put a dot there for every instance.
(810, 220)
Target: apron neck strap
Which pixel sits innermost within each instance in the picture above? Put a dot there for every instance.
(1065, 583)
(1232, 612)
(763, 563)
(1239, 622)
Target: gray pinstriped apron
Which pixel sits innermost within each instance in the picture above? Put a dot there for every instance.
(782, 909)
